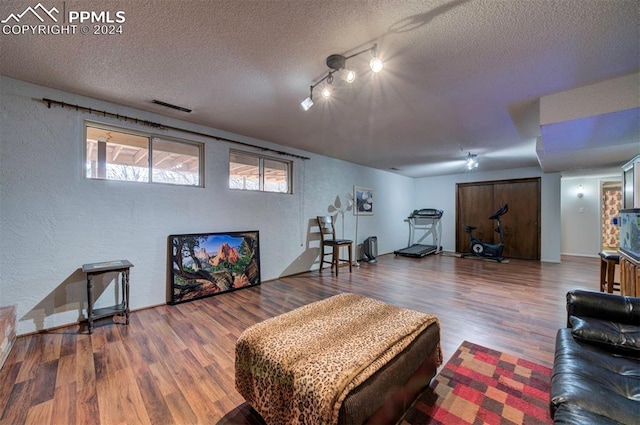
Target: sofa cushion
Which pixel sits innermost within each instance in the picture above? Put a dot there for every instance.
(619, 338)
(592, 379)
(571, 415)
(603, 306)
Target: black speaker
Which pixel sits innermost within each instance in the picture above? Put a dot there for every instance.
(370, 248)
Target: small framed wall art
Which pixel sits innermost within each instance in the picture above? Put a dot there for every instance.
(363, 198)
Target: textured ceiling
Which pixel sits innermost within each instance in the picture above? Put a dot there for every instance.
(460, 76)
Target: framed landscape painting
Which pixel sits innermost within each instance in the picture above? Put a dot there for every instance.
(206, 264)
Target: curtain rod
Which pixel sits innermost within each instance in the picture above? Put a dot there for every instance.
(126, 118)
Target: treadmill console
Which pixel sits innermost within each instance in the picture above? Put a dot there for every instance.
(426, 213)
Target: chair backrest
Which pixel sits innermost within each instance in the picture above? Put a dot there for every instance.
(327, 228)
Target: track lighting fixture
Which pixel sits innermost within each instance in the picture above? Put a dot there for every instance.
(337, 64)
(471, 161)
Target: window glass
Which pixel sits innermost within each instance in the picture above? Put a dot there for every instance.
(115, 154)
(255, 172)
(276, 176)
(244, 171)
(175, 163)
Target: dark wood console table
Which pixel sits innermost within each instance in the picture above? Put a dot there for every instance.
(93, 269)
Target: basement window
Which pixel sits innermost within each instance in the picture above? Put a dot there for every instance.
(259, 173)
(116, 154)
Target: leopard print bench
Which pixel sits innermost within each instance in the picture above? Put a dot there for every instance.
(347, 359)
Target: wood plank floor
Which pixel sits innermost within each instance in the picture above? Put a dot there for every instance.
(175, 364)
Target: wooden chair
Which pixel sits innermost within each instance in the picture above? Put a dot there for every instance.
(328, 235)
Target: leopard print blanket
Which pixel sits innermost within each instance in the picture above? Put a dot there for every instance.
(297, 368)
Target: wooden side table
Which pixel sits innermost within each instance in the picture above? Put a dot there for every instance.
(94, 269)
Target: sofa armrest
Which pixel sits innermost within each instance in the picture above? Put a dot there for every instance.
(604, 306)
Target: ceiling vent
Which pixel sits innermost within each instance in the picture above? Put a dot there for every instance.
(169, 105)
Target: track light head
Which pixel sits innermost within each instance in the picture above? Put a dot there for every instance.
(326, 90)
(376, 65)
(349, 76)
(307, 103)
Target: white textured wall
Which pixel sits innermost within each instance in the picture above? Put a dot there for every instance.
(581, 231)
(550, 218)
(52, 220)
(440, 192)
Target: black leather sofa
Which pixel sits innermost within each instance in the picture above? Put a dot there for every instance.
(596, 370)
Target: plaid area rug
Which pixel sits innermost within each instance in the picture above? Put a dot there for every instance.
(483, 386)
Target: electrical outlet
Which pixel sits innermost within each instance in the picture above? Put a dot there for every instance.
(581, 210)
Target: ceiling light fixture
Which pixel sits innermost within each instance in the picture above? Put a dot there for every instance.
(471, 161)
(337, 63)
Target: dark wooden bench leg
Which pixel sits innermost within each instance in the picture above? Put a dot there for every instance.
(603, 274)
(611, 271)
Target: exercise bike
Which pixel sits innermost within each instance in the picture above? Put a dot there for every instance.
(484, 249)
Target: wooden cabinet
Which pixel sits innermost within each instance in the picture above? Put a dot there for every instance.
(629, 276)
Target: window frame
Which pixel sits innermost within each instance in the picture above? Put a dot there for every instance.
(151, 137)
(261, 172)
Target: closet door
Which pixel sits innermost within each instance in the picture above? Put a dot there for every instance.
(475, 202)
(521, 225)
(473, 205)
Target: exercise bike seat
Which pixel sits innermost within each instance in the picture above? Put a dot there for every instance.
(469, 228)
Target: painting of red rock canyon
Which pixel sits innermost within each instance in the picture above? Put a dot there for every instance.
(208, 264)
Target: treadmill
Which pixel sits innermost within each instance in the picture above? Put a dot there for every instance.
(426, 220)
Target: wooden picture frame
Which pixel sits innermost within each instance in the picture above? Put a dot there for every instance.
(206, 264)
